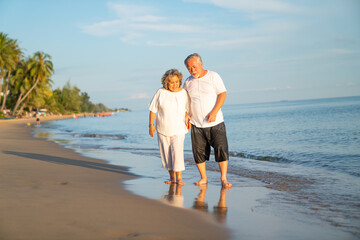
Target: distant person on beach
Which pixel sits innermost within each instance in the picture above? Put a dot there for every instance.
(37, 118)
(207, 95)
(170, 105)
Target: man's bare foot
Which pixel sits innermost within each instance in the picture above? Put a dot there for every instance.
(225, 184)
(201, 182)
(170, 182)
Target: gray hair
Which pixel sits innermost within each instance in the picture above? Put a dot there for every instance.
(194, 55)
(169, 74)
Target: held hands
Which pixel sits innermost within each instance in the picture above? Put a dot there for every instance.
(187, 121)
(188, 125)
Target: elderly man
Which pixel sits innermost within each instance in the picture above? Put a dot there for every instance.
(207, 95)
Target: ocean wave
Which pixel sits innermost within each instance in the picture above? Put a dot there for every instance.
(134, 148)
(260, 158)
(104, 136)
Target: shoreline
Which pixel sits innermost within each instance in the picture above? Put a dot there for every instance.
(250, 210)
(51, 192)
(249, 206)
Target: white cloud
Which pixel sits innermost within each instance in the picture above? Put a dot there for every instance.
(130, 10)
(105, 28)
(114, 27)
(193, 41)
(148, 18)
(345, 40)
(266, 89)
(351, 84)
(253, 5)
(241, 42)
(164, 27)
(131, 37)
(319, 55)
(134, 21)
(339, 51)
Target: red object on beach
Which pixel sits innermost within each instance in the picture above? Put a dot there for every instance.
(104, 114)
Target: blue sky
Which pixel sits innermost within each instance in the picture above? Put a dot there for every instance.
(265, 50)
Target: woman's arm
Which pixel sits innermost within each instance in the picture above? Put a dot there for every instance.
(151, 123)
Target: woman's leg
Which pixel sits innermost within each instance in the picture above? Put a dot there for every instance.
(177, 155)
(164, 147)
(179, 178)
(177, 152)
(172, 177)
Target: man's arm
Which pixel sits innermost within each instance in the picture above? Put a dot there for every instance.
(219, 102)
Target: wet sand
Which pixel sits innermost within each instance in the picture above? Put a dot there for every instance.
(50, 192)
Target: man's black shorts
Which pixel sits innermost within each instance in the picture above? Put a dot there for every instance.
(203, 138)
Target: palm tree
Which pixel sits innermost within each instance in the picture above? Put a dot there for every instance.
(10, 54)
(20, 81)
(38, 98)
(39, 68)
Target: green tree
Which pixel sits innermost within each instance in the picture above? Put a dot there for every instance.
(39, 68)
(40, 97)
(71, 99)
(85, 102)
(101, 108)
(19, 82)
(57, 96)
(10, 54)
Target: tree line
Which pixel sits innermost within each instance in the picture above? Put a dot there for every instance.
(26, 85)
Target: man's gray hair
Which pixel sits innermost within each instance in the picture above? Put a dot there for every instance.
(194, 55)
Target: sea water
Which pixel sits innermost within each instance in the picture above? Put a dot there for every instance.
(306, 154)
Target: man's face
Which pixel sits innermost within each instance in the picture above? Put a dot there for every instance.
(194, 67)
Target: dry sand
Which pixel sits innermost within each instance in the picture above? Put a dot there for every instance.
(49, 192)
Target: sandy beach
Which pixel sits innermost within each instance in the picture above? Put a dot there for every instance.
(50, 192)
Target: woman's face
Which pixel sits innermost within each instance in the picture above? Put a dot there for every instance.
(174, 84)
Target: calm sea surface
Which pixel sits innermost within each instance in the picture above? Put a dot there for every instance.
(307, 152)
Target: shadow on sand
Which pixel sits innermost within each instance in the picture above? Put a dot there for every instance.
(73, 162)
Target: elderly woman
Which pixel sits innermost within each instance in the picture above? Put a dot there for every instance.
(170, 105)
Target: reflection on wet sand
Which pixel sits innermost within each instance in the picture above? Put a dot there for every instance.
(220, 210)
(199, 202)
(174, 196)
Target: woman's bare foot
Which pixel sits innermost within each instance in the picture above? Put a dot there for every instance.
(171, 181)
(180, 182)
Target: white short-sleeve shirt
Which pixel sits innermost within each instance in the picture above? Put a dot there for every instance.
(170, 108)
(203, 94)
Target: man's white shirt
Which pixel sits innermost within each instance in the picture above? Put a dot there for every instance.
(203, 94)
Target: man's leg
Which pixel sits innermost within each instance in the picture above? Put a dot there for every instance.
(220, 144)
(223, 170)
(201, 152)
(202, 170)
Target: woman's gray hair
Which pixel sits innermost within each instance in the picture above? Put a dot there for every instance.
(169, 74)
(194, 55)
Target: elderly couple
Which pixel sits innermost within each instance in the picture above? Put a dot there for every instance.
(197, 106)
